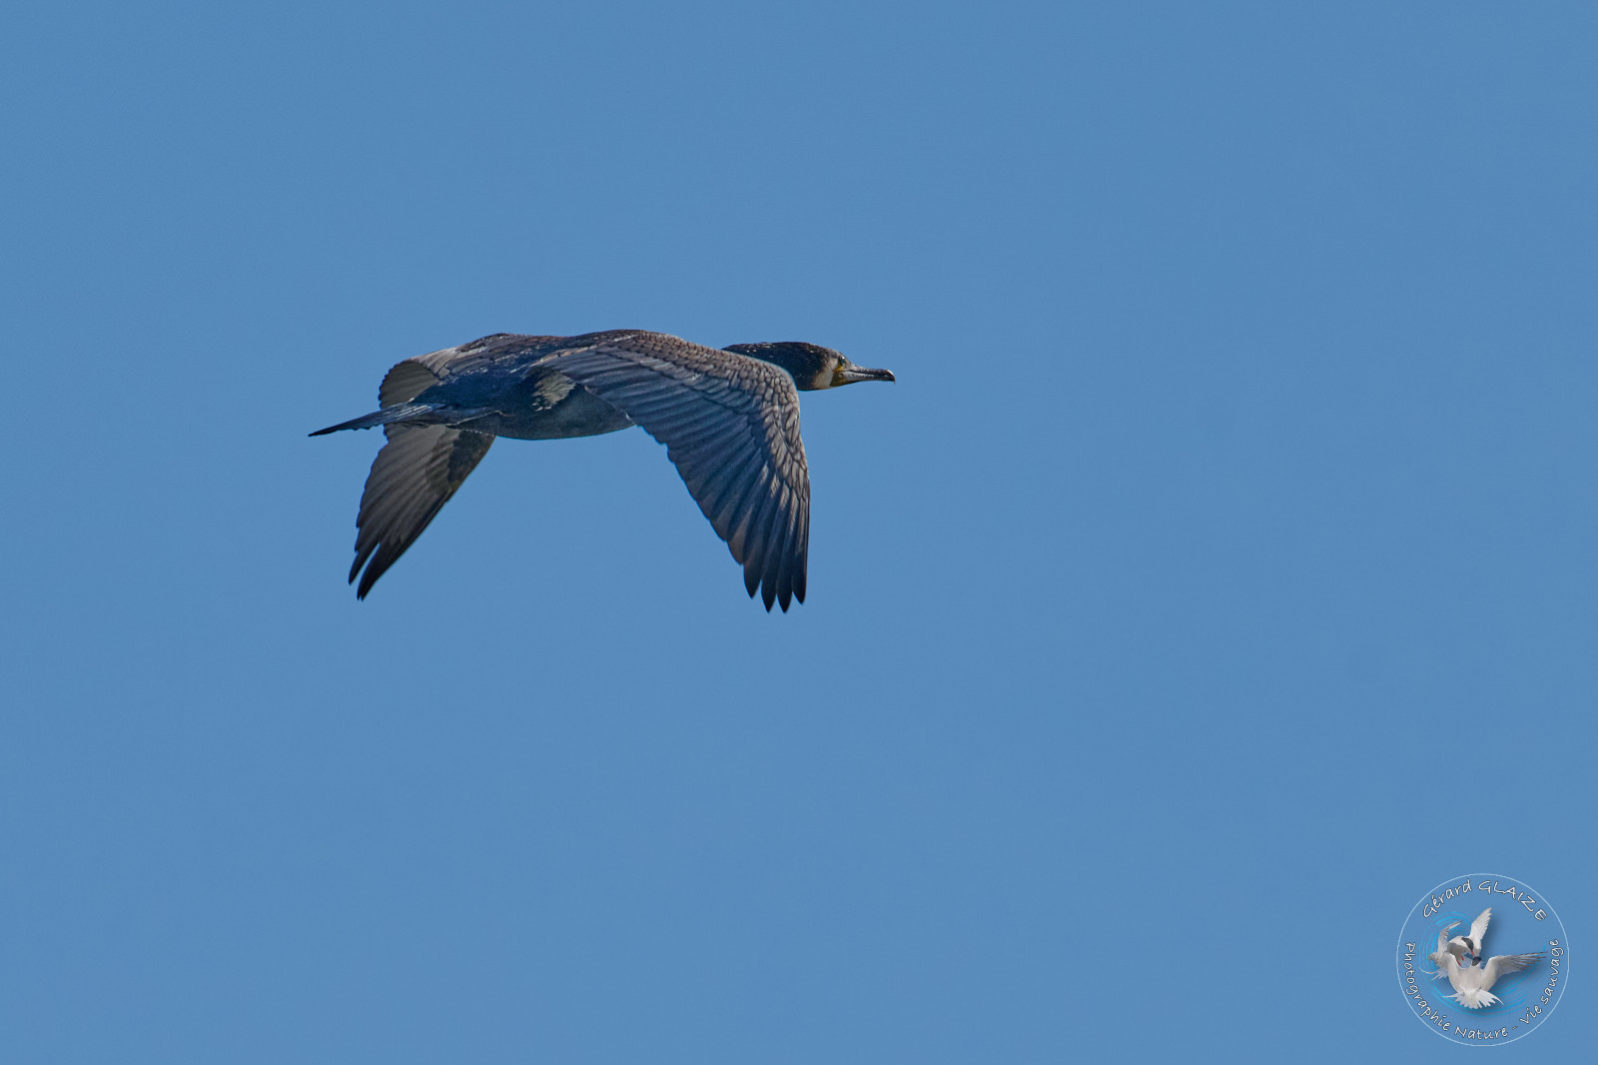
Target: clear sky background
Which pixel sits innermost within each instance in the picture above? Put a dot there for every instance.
(1220, 575)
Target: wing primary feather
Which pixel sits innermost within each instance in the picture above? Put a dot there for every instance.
(745, 537)
(776, 549)
(788, 535)
(723, 496)
(762, 545)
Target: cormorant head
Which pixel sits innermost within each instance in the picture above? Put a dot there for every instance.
(811, 365)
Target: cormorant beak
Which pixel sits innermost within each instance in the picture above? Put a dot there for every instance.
(848, 375)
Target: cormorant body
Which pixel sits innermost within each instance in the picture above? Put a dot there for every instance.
(729, 418)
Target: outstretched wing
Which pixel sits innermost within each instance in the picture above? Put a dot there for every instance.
(731, 426)
(1478, 927)
(1442, 937)
(1507, 963)
(414, 475)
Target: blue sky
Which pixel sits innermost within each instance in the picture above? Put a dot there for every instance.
(1217, 578)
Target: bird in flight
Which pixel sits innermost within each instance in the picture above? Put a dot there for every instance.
(729, 418)
(1473, 983)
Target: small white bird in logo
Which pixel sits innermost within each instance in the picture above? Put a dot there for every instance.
(1472, 983)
